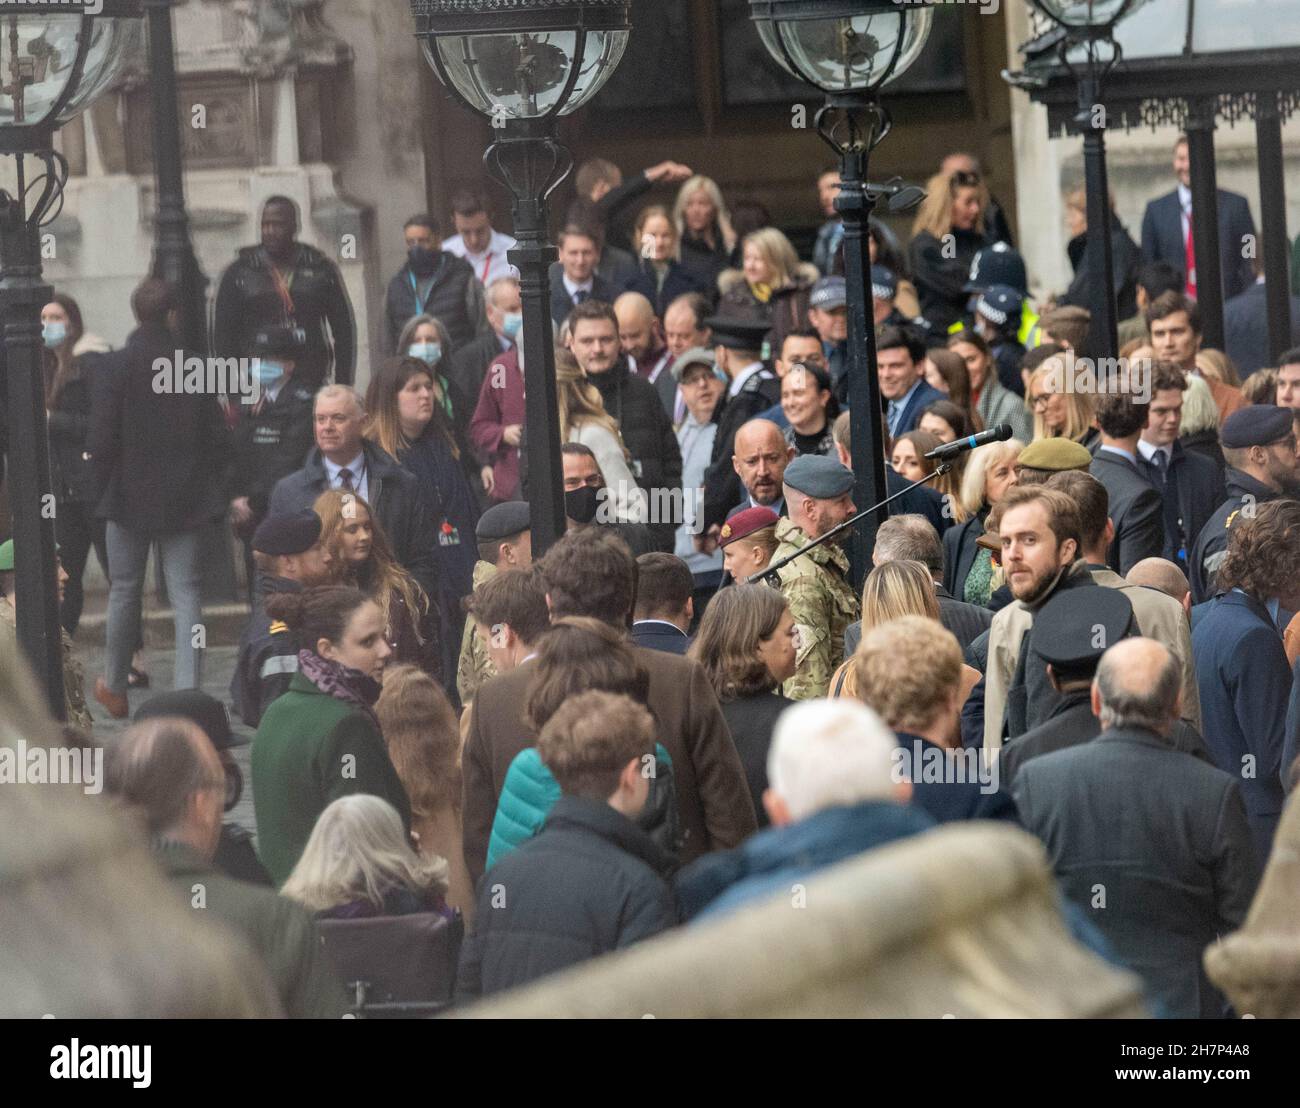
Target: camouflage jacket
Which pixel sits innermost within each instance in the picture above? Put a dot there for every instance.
(823, 604)
(475, 664)
(73, 682)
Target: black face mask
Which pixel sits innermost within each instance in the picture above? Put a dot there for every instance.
(421, 260)
(580, 504)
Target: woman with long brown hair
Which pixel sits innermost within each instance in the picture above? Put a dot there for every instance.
(361, 556)
(747, 644)
(423, 738)
(67, 406)
(407, 420)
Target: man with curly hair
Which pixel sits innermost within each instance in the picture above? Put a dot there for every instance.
(1241, 666)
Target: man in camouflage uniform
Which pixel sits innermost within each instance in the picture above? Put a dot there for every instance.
(504, 542)
(818, 495)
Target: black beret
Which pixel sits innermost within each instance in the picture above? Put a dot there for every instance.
(1077, 626)
(818, 476)
(199, 708)
(291, 534)
(737, 334)
(1256, 425)
(503, 521)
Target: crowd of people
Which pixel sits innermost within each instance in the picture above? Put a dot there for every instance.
(1089, 630)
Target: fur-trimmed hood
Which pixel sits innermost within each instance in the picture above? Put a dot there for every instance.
(805, 276)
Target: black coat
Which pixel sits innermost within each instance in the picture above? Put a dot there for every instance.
(953, 797)
(658, 635)
(454, 299)
(1154, 847)
(159, 458)
(271, 442)
(1071, 724)
(941, 280)
(959, 550)
(1135, 508)
(466, 369)
(677, 282)
(921, 501)
(68, 425)
(248, 299)
(398, 501)
(1212, 543)
(589, 883)
(704, 263)
(1127, 259)
(1245, 329)
(648, 434)
(722, 487)
(562, 303)
(1206, 444)
(1193, 489)
(268, 655)
(752, 720)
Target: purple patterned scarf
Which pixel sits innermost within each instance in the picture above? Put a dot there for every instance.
(341, 682)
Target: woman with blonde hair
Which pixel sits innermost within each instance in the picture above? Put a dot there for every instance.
(583, 419)
(358, 863)
(1199, 428)
(361, 556)
(968, 570)
(1215, 365)
(946, 234)
(704, 231)
(893, 589)
(772, 286)
(661, 277)
(1059, 410)
(422, 733)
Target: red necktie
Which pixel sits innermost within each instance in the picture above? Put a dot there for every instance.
(1189, 260)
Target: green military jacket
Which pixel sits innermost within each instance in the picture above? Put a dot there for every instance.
(475, 664)
(822, 603)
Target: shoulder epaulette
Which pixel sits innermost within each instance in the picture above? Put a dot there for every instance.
(278, 626)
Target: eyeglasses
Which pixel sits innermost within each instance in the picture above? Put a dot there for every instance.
(1041, 400)
(965, 179)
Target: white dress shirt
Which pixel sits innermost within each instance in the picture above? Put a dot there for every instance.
(738, 382)
(360, 478)
(490, 263)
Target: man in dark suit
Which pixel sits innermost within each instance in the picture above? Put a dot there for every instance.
(342, 459)
(590, 572)
(912, 538)
(665, 603)
(900, 358)
(1152, 844)
(1188, 482)
(470, 363)
(573, 278)
(1135, 509)
(1245, 325)
(1167, 230)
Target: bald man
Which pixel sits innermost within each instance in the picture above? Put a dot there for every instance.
(1151, 843)
(1161, 574)
(166, 768)
(641, 336)
(759, 457)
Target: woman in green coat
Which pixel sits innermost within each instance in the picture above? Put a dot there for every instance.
(320, 740)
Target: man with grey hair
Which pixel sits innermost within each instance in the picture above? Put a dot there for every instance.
(342, 459)
(834, 791)
(167, 771)
(1151, 843)
(912, 538)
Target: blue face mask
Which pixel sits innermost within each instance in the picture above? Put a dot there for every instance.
(511, 323)
(54, 333)
(269, 372)
(430, 353)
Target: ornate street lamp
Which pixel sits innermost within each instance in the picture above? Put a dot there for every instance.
(54, 60)
(523, 63)
(1089, 26)
(849, 49)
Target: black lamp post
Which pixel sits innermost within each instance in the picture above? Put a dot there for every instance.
(521, 64)
(848, 49)
(54, 60)
(1090, 25)
(173, 253)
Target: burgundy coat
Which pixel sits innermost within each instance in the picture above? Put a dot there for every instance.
(500, 403)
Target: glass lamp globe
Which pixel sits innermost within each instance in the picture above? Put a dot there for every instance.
(524, 59)
(1084, 14)
(843, 46)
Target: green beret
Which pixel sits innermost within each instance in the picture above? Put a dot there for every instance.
(1055, 455)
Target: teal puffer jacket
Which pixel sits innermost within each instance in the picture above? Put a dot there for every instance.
(529, 792)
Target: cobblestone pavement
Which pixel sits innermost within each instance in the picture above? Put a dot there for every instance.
(218, 667)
